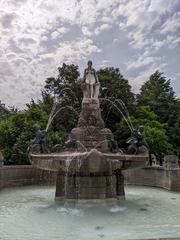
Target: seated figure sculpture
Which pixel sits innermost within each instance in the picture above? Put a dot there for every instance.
(40, 140)
(137, 142)
(90, 82)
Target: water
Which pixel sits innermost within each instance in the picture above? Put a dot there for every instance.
(55, 110)
(125, 115)
(28, 213)
(54, 113)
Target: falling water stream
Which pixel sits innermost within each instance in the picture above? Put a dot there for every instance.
(125, 116)
(54, 114)
(55, 110)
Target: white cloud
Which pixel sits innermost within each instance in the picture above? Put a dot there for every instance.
(163, 6)
(143, 76)
(115, 40)
(59, 32)
(76, 50)
(172, 24)
(103, 64)
(102, 28)
(37, 36)
(86, 31)
(141, 62)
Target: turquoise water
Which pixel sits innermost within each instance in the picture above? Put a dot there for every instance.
(30, 213)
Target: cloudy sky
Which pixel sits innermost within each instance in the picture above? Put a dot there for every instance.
(36, 36)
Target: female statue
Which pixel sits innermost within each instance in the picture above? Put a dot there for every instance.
(91, 82)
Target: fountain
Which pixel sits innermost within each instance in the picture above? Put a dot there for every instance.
(90, 166)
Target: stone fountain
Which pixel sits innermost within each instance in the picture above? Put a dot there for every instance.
(90, 166)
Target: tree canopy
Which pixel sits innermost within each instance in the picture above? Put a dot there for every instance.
(156, 107)
(158, 94)
(114, 87)
(156, 132)
(16, 133)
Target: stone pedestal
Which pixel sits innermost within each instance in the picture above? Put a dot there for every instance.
(90, 177)
(90, 130)
(89, 187)
(170, 162)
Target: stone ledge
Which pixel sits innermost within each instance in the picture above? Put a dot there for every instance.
(25, 175)
(154, 177)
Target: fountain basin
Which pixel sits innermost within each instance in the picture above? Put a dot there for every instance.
(57, 161)
(30, 213)
(89, 175)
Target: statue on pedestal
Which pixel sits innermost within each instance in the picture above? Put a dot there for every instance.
(90, 82)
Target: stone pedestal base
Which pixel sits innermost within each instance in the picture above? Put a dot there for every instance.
(91, 176)
(89, 187)
(92, 137)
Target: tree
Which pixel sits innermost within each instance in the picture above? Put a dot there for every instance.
(3, 111)
(174, 126)
(16, 133)
(114, 87)
(158, 94)
(156, 132)
(67, 88)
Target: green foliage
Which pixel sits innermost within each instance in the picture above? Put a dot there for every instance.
(144, 112)
(114, 86)
(156, 108)
(174, 126)
(67, 88)
(158, 94)
(16, 133)
(4, 113)
(158, 141)
(57, 138)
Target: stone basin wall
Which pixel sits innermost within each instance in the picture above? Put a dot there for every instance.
(154, 176)
(14, 176)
